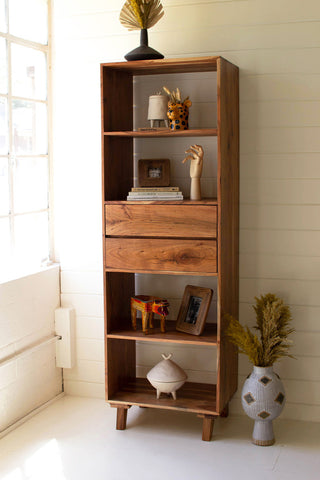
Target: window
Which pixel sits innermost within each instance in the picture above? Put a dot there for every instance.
(24, 159)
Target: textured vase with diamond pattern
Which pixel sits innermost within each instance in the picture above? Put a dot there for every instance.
(263, 399)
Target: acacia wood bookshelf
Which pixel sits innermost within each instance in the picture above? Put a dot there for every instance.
(176, 238)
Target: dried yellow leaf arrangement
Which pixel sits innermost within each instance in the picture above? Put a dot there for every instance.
(141, 14)
(272, 323)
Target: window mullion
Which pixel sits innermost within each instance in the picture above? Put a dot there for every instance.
(10, 137)
(25, 43)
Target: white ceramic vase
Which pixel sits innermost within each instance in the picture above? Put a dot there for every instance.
(263, 399)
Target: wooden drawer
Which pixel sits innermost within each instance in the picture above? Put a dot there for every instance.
(189, 221)
(161, 255)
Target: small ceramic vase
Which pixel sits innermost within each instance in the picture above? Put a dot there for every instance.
(263, 399)
(167, 376)
(143, 52)
(157, 111)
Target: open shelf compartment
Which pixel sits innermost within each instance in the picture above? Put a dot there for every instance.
(208, 337)
(191, 397)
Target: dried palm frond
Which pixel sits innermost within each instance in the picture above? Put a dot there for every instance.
(138, 14)
(272, 322)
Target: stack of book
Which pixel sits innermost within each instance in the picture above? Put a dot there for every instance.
(155, 193)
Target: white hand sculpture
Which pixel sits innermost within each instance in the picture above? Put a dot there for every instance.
(196, 157)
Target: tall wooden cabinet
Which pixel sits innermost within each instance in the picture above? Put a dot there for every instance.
(176, 238)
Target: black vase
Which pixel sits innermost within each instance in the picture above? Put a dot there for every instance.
(144, 52)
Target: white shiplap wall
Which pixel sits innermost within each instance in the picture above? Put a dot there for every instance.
(276, 45)
(28, 373)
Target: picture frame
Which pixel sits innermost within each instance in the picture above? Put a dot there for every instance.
(194, 309)
(154, 172)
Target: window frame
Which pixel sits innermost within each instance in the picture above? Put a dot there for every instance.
(10, 156)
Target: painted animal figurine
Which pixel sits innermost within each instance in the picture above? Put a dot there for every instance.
(178, 114)
(148, 305)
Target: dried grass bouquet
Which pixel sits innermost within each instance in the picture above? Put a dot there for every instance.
(272, 323)
(141, 14)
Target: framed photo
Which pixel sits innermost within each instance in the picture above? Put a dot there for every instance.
(154, 173)
(194, 309)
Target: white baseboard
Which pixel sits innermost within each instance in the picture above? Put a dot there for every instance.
(34, 412)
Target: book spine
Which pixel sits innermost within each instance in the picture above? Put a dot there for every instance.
(154, 194)
(149, 197)
(155, 189)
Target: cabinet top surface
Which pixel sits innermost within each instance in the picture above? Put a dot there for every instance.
(167, 65)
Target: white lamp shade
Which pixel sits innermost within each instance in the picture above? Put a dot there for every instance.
(158, 107)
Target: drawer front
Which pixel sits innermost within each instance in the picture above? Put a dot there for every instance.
(161, 255)
(190, 221)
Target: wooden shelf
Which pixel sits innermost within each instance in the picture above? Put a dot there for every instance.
(187, 201)
(209, 336)
(165, 66)
(191, 397)
(197, 132)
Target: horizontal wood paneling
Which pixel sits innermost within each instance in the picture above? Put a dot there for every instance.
(294, 292)
(90, 349)
(267, 36)
(83, 303)
(86, 282)
(292, 87)
(279, 267)
(279, 114)
(86, 371)
(193, 375)
(84, 389)
(173, 286)
(283, 191)
(246, 17)
(235, 10)
(202, 358)
(89, 327)
(280, 166)
(281, 140)
(280, 217)
(288, 243)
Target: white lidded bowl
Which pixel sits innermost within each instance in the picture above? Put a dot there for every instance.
(167, 376)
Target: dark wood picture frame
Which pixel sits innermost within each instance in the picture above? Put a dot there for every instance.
(154, 172)
(194, 309)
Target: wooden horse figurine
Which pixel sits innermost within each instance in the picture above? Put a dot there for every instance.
(148, 305)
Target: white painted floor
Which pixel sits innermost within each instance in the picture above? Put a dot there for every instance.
(75, 439)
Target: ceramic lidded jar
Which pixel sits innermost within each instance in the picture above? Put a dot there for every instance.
(167, 376)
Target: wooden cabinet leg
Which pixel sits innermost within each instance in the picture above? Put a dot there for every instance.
(225, 412)
(207, 427)
(121, 416)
